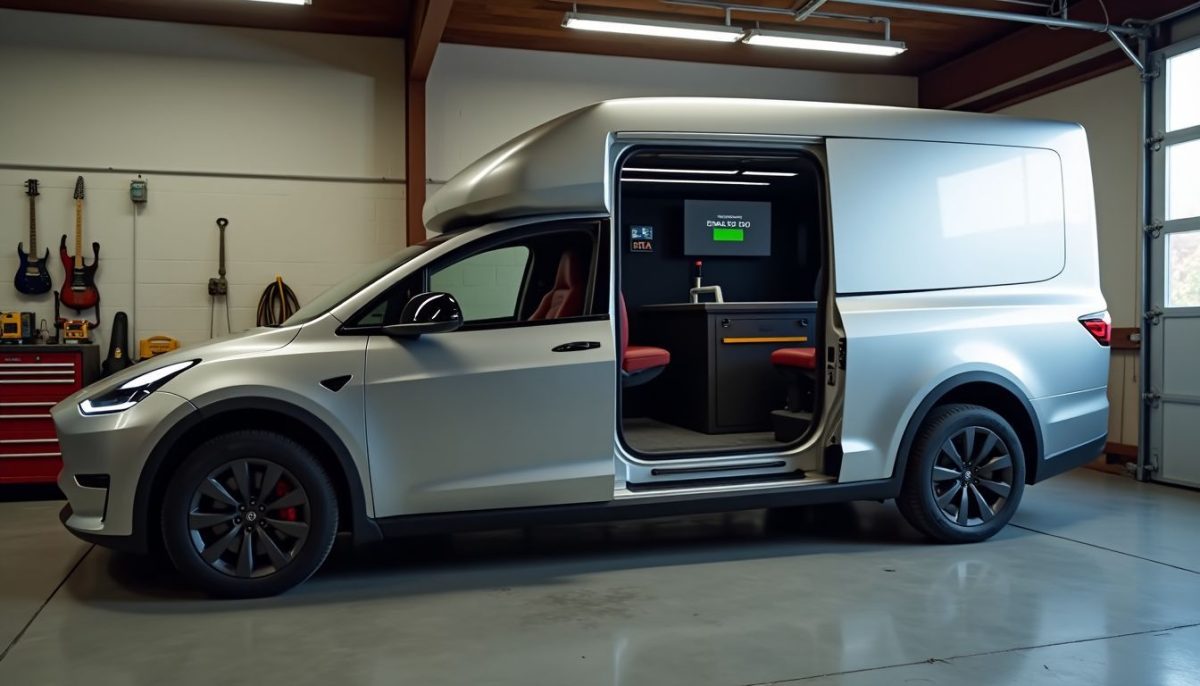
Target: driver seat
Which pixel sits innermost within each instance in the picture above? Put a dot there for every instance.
(565, 298)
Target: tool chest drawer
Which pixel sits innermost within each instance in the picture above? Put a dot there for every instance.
(32, 380)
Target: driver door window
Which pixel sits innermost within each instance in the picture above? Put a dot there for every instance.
(487, 285)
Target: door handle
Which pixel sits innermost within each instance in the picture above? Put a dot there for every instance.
(576, 346)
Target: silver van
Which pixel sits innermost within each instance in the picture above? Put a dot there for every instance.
(646, 307)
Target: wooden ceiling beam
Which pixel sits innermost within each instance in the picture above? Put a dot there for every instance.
(1010, 59)
(427, 26)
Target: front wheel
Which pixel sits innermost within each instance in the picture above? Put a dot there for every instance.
(965, 475)
(249, 514)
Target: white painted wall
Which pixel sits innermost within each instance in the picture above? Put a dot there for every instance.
(208, 104)
(93, 91)
(1108, 108)
(478, 98)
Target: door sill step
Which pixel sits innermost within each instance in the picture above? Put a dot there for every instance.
(736, 483)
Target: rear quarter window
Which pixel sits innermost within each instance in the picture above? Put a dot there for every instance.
(911, 215)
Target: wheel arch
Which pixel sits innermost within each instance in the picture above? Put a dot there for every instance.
(257, 413)
(988, 390)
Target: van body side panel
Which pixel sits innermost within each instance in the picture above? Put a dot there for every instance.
(915, 317)
(901, 346)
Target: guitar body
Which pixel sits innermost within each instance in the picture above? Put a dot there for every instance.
(33, 277)
(79, 287)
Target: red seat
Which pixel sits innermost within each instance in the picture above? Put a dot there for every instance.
(565, 298)
(800, 358)
(638, 358)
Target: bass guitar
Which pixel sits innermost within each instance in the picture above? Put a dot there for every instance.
(33, 278)
(79, 287)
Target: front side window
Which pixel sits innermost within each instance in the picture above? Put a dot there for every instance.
(487, 285)
(545, 274)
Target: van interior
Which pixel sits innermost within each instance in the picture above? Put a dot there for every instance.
(720, 267)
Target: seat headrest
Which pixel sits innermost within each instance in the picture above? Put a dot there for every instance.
(570, 271)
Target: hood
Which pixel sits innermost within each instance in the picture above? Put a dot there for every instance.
(253, 342)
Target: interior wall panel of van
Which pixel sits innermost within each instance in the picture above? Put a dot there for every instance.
(915, 215)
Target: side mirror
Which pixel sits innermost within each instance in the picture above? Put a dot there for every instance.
(427, 313)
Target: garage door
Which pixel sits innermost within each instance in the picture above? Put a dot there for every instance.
(1174, 404)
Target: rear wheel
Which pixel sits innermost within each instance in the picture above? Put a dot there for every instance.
(249, 513)
(965, 475)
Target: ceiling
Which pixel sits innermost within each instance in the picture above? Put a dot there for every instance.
(932, 39)
(954, 56)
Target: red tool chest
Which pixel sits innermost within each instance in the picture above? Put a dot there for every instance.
(33, 378)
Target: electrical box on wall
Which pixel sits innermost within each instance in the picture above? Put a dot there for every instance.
(139, 191)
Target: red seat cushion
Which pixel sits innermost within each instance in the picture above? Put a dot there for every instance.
(803, 358)
(642, 357)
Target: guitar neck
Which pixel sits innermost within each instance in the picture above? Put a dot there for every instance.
(79, 234)
(32, 228)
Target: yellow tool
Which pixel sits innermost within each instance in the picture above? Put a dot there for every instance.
(156, 345)
(16, 326)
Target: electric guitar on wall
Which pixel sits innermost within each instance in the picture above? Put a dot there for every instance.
(79, 287)
(33, 278)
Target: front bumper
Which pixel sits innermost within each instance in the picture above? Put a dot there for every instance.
(116, 445)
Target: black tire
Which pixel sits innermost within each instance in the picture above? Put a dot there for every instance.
(963, 456)
(242, 542)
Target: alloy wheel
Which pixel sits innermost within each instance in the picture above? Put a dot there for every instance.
(249, 518)
(972, 476)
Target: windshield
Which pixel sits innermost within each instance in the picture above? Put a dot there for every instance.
(359, 279)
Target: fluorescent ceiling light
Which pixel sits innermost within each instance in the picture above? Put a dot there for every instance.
(767, 173)
(817, 41)
(695, 181)
(655, 170)
(287, 2)
(652, 27)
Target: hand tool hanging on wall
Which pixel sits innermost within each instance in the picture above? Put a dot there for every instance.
(277, 303)
(218, 287)
(33, 278)
(118, 346)
(79, 286)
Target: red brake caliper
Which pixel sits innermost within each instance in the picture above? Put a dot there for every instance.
(287, 513)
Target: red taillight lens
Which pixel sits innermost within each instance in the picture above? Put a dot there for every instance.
(1099, 326)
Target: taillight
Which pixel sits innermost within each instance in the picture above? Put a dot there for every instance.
(1099, 325)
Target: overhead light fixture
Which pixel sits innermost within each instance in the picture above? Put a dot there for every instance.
(286, 2)
(656, 170)
(768, 173)
(652, 27)
(826, 42)
(697, 181)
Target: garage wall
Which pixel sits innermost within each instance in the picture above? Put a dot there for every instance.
(478, 98)
(1108, 108)
(296, 138)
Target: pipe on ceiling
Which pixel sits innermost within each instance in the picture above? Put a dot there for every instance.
(994, 14)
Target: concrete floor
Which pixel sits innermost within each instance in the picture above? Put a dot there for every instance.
(1097, 582)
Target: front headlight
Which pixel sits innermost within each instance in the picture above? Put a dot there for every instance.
(133, 391)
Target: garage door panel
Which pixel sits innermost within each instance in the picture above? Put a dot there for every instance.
(1179, 463)
(1180, 340)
